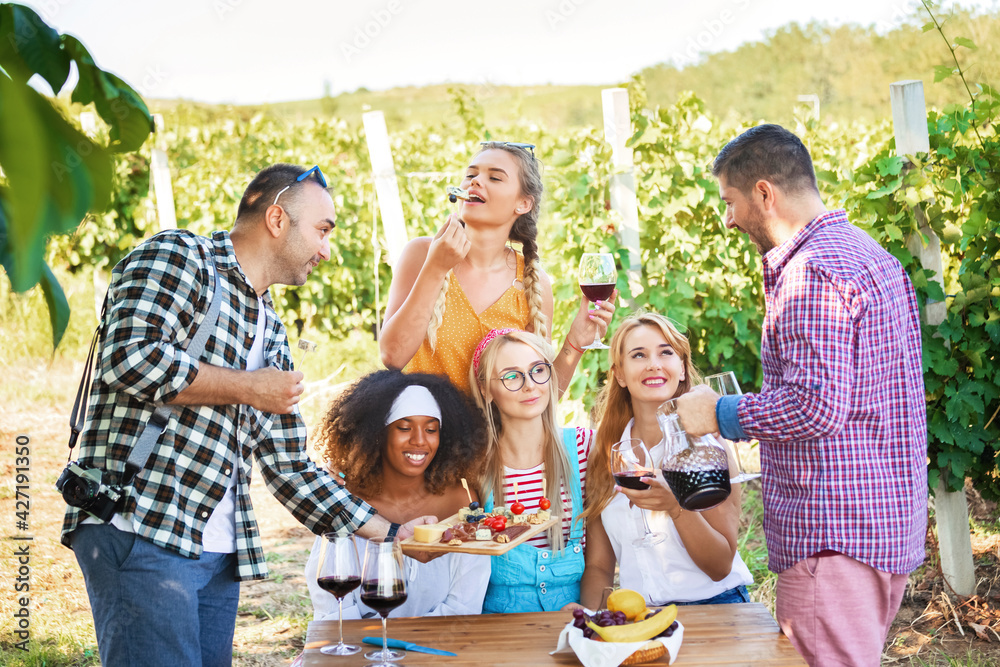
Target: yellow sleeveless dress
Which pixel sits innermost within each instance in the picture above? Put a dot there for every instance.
(461, 329)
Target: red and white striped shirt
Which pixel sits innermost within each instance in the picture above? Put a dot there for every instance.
(841, 415)
(529, 487)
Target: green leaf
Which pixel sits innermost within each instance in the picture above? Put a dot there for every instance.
(55, 175)
(942, 72)
(28, 46)
(966, 42)
(927, 27)
(117, 104)
(57, 303)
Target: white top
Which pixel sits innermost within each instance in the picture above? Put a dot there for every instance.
(220, 529)
(450, 585)
(665, 572)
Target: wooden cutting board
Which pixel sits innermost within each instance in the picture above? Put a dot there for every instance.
(483, 548)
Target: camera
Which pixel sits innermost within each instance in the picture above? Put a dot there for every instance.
(82, 487)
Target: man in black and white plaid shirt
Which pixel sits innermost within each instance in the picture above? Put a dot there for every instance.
(163, 576)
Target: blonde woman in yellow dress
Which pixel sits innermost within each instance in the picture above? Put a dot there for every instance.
(449, 291)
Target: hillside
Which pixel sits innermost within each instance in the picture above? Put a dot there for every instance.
(849, 67)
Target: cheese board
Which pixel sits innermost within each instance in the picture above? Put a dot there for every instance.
(488, 547)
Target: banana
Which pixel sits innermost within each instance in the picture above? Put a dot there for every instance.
(637, 632)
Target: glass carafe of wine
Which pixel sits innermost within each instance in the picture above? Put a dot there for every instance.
(695, 468)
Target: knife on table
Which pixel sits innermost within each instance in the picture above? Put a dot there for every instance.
(406, 646)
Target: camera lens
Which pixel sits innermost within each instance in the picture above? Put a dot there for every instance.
(77, 491)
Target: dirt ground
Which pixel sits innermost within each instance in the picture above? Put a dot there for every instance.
(931, 626)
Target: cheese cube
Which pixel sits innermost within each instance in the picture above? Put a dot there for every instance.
(428, 534)
(484, 534)
(544, 515)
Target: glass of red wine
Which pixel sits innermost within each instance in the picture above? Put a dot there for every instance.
(695, 468)
(725, 384)
(339, 574)
(598, 276)
(383, 588)
(630, 462)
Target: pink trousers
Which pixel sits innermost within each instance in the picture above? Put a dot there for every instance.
(836, 610)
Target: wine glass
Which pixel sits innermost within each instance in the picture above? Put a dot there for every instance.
(695, 468)
(339, 574)
(598, 276)
(630, 461)
(383, 588)
(725, 384)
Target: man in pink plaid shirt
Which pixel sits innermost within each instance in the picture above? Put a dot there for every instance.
(841, 414)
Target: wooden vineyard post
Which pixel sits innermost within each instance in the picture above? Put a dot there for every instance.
(617, 131)
(386, 187)
(951, 510)
(163, 189)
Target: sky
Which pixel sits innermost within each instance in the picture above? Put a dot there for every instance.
(261, 51)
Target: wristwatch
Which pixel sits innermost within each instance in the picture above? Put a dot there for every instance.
(393, 529)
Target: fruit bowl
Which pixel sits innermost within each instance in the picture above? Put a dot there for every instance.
(596, 652)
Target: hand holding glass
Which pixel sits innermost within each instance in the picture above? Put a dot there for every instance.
(598, 276)
(725, 384)
(630, 462)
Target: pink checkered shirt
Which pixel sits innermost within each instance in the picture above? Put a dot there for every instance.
(841, 415)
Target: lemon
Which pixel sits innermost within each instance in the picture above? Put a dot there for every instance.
(629, 602)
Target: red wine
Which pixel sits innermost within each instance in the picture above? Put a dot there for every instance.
(598, 291)
(632, 479)
(339, 586)
(698, 490)
(383, 599)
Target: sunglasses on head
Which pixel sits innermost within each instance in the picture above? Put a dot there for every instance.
(513, 144)
(320, 178)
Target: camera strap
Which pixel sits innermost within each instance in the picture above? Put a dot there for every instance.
(161, 416)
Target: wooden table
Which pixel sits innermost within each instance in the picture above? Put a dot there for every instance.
(724, 634)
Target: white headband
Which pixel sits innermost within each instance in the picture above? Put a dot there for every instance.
(413, 401)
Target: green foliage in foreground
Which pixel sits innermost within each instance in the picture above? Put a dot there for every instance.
(52, 173)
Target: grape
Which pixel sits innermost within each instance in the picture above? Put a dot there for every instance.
(606, 615)
(579, 623)
(588, 632)
(669, 632)
(674, 625)
(620, 617)
(606, 622)
(578, 613)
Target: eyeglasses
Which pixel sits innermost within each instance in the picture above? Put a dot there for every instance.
(513, 144)
(303, 176)
(540, 373)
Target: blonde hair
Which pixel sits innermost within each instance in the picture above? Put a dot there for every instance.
(558, 467)
(523, 231)
(614, 404)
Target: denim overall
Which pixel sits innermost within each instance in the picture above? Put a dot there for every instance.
(527, 578)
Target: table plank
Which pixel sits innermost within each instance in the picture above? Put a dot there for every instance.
(725, 634)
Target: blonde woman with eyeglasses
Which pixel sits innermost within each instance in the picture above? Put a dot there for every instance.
(448, 291)
(513, 383)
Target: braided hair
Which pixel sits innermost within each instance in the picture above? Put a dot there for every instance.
(525, 232)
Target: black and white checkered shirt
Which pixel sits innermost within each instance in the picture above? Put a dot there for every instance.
(158, 293)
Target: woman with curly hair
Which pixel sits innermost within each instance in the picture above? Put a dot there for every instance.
(510, 377)
(404, 442)
(698, 562)
(447, 292)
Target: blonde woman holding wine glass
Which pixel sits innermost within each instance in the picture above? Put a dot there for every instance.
(449, 291)
(697, 562)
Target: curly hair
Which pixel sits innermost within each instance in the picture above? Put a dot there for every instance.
(352, 437)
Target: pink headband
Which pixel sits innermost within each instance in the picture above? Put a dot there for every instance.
(494, 333)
